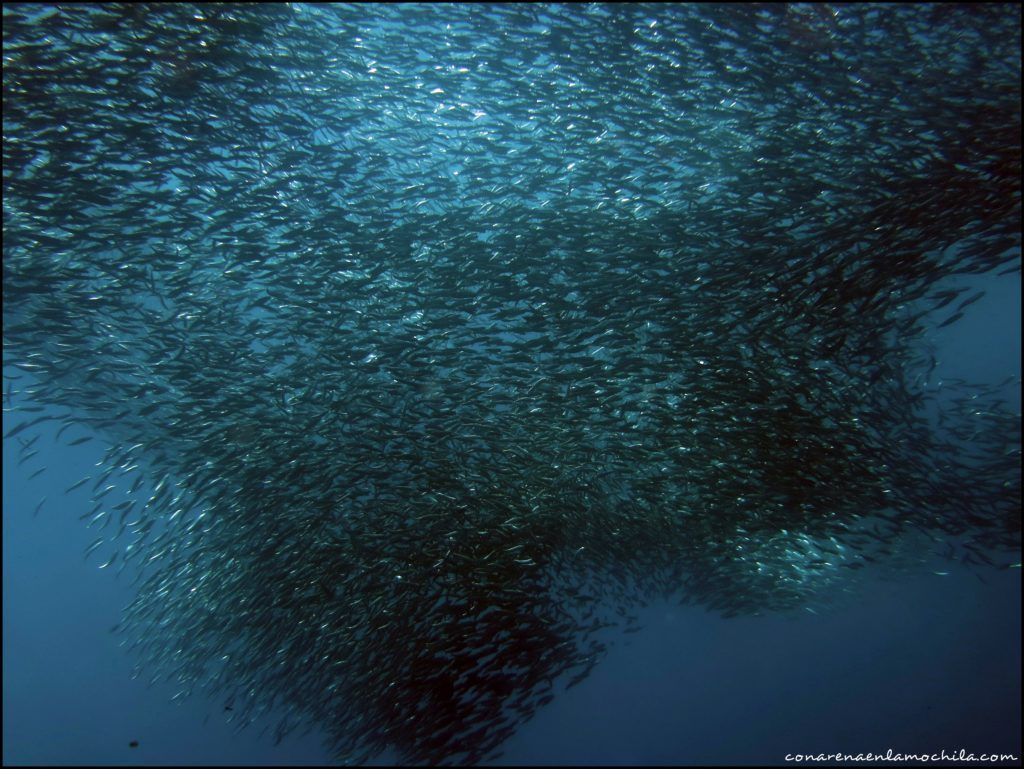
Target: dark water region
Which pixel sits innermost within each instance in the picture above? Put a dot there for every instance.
(510, 384)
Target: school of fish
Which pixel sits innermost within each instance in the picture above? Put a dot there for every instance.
(428, 341)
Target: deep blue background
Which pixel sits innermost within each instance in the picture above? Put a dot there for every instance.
(922, 663)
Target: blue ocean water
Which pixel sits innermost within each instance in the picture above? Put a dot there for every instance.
(918, 659)
(919, 663)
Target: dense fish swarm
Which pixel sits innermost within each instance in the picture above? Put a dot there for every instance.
(430, 339)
